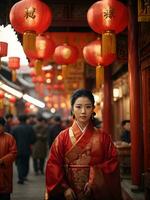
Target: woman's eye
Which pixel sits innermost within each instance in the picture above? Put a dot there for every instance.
(89, 107)
(78, 106)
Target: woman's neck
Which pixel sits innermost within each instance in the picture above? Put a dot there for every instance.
(82, 126)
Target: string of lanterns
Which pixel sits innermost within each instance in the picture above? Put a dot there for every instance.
(33, 17)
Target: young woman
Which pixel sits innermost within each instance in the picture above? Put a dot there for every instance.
(82, 163)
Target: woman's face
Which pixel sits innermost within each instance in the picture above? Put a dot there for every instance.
(82, 110)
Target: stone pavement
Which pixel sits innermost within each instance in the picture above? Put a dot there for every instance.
(33, 189)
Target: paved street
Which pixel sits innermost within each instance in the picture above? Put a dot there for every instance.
(33, 189)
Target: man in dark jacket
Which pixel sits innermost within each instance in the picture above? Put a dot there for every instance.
(125, 135)
(8, 152)
(54, 130)
(25, 137)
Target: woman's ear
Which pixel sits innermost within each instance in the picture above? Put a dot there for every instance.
(72, 113)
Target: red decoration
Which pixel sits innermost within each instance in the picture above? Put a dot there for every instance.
(30, 15)
(108, 15)
(32, 73)
(93, 54)
(44, 48)
(65, 54)
(1, 99)
(14, 64)
(1, 94)
(3, 49)
(12, 99)
(12, 107)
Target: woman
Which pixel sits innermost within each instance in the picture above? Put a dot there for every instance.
(82, 162)
(8, 152)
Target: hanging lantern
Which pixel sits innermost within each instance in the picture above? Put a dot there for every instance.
(44, 49)
(32, 73)
(65, 54)
(12, 102)
(92, 54)
(108, 17)
(27, 107)
(1, 99)
(13, 64)
(3, 50)
(30, 17)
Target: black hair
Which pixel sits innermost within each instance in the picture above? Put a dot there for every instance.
(2, 121)
(57, 118)
(23, 118)
(8, 115)
(82, 93)
(124, 122)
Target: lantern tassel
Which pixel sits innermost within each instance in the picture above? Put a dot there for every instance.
(1, 104)
(29, 40)
(14, 75)
(64, 71)
(99, 76)
(108, 43)
(38, 67)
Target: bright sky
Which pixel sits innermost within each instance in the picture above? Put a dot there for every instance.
(7, 34)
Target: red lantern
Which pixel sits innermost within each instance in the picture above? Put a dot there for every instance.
(30, 17)
(12, 100)
(108, 17)
(92, 54)
(27, 107)
(32, 73)
(1, 99)
(3, 49)
(14, 64)
(12, 108)
(44, 48)
(65, 54)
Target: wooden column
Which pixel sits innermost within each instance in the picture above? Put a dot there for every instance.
(134, 83)
(107, 110)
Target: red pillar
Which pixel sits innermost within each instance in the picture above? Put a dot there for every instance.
(134, 82)
(107, 109)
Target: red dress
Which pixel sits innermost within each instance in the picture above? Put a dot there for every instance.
(8, 152)
(76, 158)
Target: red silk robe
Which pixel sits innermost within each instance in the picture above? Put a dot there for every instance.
(76, 158)
(8, 153)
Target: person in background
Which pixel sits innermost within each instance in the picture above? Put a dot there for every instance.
(8, 152)
(54, 130)
(9, 122)
(31, 119)
(83, 162)
(39, 148)
(125, 134)
(25, 137)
